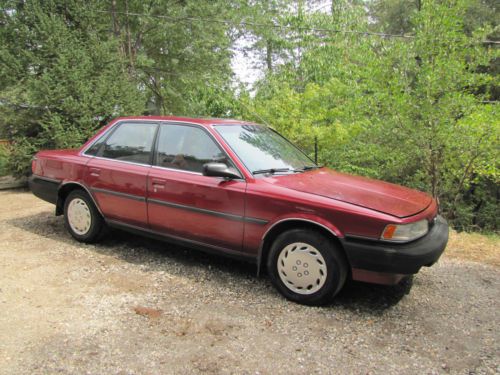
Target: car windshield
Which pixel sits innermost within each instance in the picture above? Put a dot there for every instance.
(263, 150)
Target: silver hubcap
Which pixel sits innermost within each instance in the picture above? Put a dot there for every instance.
(302, 268)
(79, 218)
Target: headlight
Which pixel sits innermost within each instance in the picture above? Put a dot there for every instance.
(405, 232)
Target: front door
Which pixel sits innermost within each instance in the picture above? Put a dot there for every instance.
(184, 203)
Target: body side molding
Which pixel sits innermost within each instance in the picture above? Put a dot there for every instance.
(209, 212)
(119, 194)
(181, 240)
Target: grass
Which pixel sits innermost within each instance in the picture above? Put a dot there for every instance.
(474, 247)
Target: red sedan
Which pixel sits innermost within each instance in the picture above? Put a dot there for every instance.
(242, 190)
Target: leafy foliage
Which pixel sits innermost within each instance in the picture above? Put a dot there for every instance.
(3, 160)
(175, 57)
(420, 110)
(62, 78)
(410, 112)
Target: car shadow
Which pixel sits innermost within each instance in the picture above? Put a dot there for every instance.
(153, 254)
(135, 249)
(373, 298)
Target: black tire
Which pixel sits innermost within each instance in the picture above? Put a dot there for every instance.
(335, 264)
(97, 225)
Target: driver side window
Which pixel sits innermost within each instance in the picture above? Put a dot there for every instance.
(187, 148)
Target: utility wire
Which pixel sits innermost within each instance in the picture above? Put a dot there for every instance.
(273, 26)
(250, 23)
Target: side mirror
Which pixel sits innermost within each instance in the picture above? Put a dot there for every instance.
(220, 170)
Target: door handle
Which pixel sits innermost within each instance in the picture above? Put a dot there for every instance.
(95, 172)
(158, 184)
(157, 181)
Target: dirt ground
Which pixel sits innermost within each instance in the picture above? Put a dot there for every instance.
(136, 306)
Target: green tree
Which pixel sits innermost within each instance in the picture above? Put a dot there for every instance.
(61, 76)
(176, 50)
(398, 16)
(410, 111)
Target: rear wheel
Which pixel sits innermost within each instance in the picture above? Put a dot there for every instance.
(306, 266)
(81, 217)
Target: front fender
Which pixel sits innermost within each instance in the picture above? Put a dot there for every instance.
(309, 218)
(284, 221)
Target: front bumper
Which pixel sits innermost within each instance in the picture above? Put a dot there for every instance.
(398, 258)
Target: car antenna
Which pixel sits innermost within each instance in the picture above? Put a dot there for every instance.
(254, 113)
(316, 149)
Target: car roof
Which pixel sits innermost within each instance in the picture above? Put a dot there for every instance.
(193, 120)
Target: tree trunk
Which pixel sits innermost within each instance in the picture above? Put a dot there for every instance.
(129, 40)
(269, 55)
(116, 26)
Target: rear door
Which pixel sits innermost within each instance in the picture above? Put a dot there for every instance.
(117, 175)
(184, 203)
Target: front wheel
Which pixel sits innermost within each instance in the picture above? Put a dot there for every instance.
(81, 217)
(306, 267)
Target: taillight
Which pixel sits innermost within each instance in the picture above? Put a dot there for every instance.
(33, 165)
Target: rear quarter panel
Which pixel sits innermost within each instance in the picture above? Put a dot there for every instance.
(61, 165)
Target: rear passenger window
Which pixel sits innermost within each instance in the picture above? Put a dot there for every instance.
(187, 148)
(130, 142)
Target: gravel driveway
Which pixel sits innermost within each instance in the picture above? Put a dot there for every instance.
(131, 305)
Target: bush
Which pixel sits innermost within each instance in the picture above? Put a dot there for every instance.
(4, 155)
(58, 93)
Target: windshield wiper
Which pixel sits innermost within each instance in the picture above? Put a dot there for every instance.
(271, 170)
(309, 167)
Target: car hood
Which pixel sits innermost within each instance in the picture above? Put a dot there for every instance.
(377, 195)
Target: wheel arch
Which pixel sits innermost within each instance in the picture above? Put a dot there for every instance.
(292, 223)
(68, 187)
